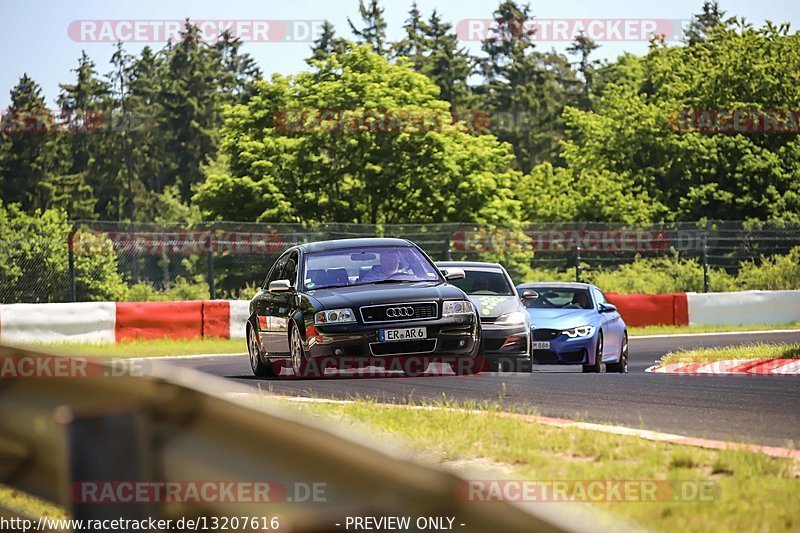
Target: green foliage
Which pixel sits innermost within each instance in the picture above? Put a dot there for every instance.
(635, 130)
(180, 290)
(779, 272)
(34, 261)
(374, 162)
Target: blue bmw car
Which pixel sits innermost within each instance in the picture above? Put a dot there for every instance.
(573, 324)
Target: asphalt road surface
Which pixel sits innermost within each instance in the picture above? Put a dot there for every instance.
(755, 409)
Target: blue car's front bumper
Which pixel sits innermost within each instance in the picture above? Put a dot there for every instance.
(562, 350)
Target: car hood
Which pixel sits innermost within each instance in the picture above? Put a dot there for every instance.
(561, 318)
(359, 295)
(494, 306)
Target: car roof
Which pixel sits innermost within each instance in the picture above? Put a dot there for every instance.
(468, 264)
(555, 284)
(343, 244)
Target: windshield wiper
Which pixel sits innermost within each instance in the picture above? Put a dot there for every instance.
(390, 281)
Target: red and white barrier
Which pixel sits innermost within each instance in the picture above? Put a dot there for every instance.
(104, 322)
(111, 322)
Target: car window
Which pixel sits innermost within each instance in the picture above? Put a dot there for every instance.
(276, 272)
(484, 282)
(290, 269)
(559, 298)
(599, 297)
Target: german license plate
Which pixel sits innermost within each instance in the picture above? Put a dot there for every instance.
(402, 334)
(541, 345)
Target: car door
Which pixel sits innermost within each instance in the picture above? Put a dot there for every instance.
(281, 307)
(611, 324)
(263, 304)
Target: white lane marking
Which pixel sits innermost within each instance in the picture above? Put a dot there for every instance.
(713, 333)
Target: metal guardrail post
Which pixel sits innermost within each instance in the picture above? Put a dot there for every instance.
(706, 280)
(210, 255)
(578, 276)
(73, 287)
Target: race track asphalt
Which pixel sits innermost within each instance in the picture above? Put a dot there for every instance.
(755, 409)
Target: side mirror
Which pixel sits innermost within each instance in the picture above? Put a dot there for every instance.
(607, 308)
(454, 273)
(280, 285)
(528, 294)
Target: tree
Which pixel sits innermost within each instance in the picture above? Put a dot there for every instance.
(374, 31)
(524, 90)
(327, 43)
(26, 146)
(391, 155)
(650, 132)
(701, 25)
(34, 264)
(447, 64)
(583, 47)
(414, 44)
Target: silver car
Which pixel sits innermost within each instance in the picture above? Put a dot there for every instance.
(504, 320)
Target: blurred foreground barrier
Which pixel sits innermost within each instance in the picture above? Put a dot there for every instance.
(147, 441)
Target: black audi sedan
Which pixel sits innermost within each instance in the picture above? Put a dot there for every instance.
(504, 320)
(353, 303)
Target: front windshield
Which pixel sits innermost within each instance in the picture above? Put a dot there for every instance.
(484, 283)
(360, 266)
(559, 298)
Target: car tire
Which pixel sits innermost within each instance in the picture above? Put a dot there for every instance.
(255, 354)
(597, 367)
(621, 366)
(297, 354)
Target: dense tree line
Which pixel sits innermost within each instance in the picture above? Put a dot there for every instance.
(522, 134)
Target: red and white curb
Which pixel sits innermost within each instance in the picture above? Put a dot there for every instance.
(763, 367)
(773, 451)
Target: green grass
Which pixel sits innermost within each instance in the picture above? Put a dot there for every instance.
(29, 506)
(671, 330)
(143, 348)
(754, 492)
(724, 353)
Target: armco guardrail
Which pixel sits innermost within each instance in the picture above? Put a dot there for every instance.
(111, 322)
(103, 426)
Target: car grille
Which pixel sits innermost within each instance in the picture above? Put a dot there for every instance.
(403, 347)
(409, 311)
(545, 334)
(488, 319)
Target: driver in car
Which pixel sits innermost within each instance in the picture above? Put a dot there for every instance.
(389, 266)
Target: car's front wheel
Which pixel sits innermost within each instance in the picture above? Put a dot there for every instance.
(299, 360)
(257, 364)
(598, 357)
(621, 366)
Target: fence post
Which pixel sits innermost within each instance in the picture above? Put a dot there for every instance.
(73, 288)
(578, 264)
(210, 255)
(448, 252)
(706, 281)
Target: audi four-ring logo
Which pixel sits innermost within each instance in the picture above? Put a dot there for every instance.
(399, 312)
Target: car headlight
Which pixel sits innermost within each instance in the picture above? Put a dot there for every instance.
(458, 307)
(334, 316)
(515, 318)
(582, 331)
